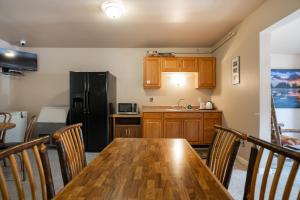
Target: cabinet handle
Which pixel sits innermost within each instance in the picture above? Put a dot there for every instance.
(129, 132)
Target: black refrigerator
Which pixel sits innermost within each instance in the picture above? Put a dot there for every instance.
(92, 100)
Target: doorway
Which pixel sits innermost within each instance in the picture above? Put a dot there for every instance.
(279, 49)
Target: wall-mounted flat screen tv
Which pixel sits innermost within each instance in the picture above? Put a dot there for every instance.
(17, 60)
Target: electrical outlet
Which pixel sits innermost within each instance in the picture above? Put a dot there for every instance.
(151, 99)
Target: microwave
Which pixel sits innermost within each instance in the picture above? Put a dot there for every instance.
(128, 108)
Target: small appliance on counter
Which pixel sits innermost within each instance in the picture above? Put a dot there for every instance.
(128, 108)
(209, 105)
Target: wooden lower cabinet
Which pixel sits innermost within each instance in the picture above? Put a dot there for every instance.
(152, 125)
(128, 132)
(196, 128)
(173, 128)
(126, 126)
(209, 120)
(192, 131)
(152, 128)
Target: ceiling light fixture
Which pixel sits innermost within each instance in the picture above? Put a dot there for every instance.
(113, 9)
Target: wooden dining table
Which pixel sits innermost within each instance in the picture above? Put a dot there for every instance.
(6, 126)
(140, 168)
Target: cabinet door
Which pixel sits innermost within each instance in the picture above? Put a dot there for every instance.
(152, 128)
(170, 64)
(192, 131)
(210, 119)
(120, 132)
(173, 128)
(188, 64)
(152, 72)
(207, 73)
(134, 132)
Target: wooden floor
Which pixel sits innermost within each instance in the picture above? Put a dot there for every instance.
(146, 169)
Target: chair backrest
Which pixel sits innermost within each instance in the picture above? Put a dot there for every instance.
(42, 162)
(223, 151)
(6, 118)
(275, 128)
(257, 151)
(30, 127)
(70, 147)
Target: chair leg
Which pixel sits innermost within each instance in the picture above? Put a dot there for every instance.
(22, 167)
(4, 162)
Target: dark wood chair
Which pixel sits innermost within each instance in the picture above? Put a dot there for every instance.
(223, 151)
(42, 162)
(70, 147)
(6, 119)
(257, 151)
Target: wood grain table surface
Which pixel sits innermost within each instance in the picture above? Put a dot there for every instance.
(139, 168)
(6, 126)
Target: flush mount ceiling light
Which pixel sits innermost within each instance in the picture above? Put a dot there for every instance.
(113, 9)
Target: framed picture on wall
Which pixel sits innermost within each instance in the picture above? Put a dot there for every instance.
(285, 88)
(235, 70)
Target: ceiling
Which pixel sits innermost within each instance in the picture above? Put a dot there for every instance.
(286, 39)
(146, 23)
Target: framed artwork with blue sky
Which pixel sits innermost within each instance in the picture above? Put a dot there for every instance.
(285, 85)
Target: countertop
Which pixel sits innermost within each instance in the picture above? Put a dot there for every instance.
(172, 109)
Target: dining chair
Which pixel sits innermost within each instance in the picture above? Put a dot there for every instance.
(71, 153)
(272, 151)
(27, 138)
(39, 151)
(6, 118)
(223, 151)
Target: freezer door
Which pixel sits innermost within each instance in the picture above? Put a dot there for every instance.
(78, 91)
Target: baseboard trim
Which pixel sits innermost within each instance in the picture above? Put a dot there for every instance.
(242, 160)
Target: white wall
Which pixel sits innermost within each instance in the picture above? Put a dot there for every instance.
(49, 86)
(6, 90)
(240, 103)
(290, 117)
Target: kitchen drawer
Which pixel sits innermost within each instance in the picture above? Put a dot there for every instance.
(152, 115)
(183, 115)
(212, 115)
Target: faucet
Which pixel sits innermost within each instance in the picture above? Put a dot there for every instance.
(179, 101)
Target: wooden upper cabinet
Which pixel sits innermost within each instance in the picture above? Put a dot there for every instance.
(152, 72)
(205, 66)
(170, 64)
(179, 64)
(207, 72)
(188, 64)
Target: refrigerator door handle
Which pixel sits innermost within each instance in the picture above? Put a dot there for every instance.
(87, 102)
